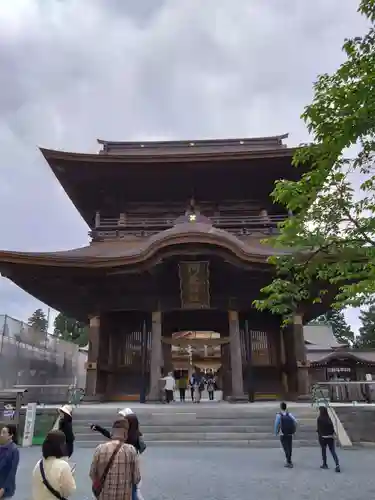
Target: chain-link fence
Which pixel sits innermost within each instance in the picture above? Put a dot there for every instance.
(31, 357)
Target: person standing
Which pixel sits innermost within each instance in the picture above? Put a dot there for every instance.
(66, 426)
(114, 469)
(192, 386)
(53, 472)
(9, 460)
(211, 388)
(170, 387)
(182, 384)
(326, 434)
(285, 426)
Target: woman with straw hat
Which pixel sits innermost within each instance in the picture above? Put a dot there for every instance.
(65, 425)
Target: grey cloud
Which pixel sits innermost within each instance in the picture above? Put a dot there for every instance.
(75, 70)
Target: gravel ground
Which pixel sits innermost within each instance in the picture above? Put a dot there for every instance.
(229, 474)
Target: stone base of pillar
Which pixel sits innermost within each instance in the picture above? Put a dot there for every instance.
(304, 397)
(99, 398)
(238, 398)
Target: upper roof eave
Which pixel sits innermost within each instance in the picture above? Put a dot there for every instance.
(196, 156)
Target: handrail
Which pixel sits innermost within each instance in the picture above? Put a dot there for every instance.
(316, 390)
(248, 220)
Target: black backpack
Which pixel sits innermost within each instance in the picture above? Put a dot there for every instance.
(287, 424)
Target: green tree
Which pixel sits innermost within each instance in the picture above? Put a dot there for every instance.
(38, 320)
(331, 235)
(71, 330)
(367, 331)
(340, 328)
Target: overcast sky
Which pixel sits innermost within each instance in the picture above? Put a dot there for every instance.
(75, 70)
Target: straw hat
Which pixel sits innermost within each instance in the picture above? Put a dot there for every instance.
(66, 409)
(125, 412)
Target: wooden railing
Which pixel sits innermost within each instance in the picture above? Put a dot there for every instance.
(149, 222)
(121, 227)
(342, 391)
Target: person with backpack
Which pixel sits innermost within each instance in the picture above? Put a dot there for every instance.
(285, 426)
(326, 434)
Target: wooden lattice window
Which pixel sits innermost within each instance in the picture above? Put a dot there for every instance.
(261, 354)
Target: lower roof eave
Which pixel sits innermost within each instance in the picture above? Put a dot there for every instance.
(116, 254)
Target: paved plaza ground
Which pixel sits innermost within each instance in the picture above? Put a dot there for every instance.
(230, 474)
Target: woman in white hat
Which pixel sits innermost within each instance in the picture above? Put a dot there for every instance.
(106, 433)
(65, 425)
(135, 436)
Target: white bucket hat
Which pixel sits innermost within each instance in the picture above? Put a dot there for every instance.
(66, 409)
(125, 412)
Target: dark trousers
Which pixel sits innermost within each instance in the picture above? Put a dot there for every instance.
(69, 449)
(211, 395)
(192, 393)
(182, 394)
(287, 444)
(330, 442)
(168, 396)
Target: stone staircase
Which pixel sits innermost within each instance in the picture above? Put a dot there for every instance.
(215, 424)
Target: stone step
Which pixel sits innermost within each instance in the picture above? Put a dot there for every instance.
(172, 420)
(197, 436)
(146, 429)
(251, 443)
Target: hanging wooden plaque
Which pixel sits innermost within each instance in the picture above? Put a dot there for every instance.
(194, 285)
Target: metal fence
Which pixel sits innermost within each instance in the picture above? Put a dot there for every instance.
(29, 356)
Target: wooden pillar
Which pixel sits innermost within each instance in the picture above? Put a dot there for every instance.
(167, 358)
(296, 363)
(236, 358)
(303, 386)
(93, 374)
(284, 377)
(156, 356)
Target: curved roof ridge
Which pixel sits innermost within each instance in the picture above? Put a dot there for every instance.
(196, 142)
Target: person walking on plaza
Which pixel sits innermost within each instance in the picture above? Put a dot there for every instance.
(285, 426)
(52, 476)
(170, 387)
(326, 434)
(66, 426)
(114, 470)
(182, 385)
(9, 460)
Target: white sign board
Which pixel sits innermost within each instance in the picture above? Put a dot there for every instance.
(28, 432)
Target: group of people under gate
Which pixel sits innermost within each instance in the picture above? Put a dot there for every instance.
(115, 469)
(195, 384)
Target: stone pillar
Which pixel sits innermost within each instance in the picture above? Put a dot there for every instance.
(156, 357)
(92, 373)
(236, 358)
(303, 385)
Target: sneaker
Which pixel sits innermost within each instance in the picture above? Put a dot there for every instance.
(337, 469)
(324, 466)
(288, 466)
